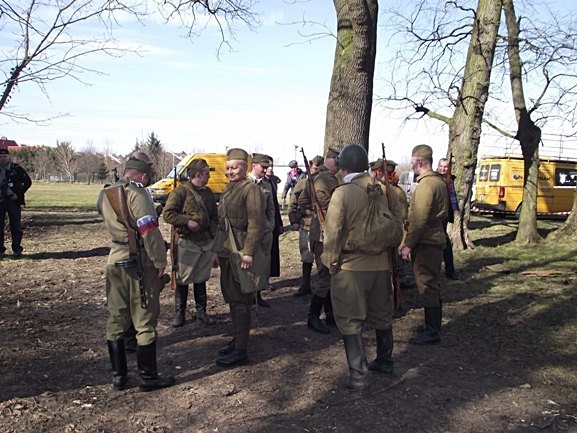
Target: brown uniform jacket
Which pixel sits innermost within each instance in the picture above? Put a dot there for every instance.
(268, 201)
(141, 208)
(428, 211)
(188, 202)
(295, 213)
(242, 203)
(325, 182)
(344, 214)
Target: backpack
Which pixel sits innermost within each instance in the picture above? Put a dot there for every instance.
(380, 229)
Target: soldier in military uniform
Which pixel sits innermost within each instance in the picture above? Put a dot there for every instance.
(425, 240)
(122, 284)
(260, 163)
(361, 288)
(242, 203)
(300, 220)
(325, 181)
(191, 209)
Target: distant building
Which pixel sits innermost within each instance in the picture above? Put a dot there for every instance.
(13, 146)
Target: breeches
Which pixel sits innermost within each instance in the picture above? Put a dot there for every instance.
(362, 296)
(307, 255)
(123, 300)
(427, 261)
(230, 287)
(323, 285)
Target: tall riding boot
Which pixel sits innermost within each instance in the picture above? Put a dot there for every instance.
(118, 361)
(228, 347)
(180, 298)
(200, 301)
(357, 380)
(305, 288)
(329, 315)
(149, 378)
(238, 356)
(130, 343)
(432, 333)
(260, 301)
(384, 361)
(314, 321)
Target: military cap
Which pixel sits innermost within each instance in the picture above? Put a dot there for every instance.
(3, 151)
(318, 161)
(293, 164)
(332, 153)
(259, 158)
(195, 166)
(140, 164)
(423, 151)
(377, 165)
(391, 163)
(236, 153)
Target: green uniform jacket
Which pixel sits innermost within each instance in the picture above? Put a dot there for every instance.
(268, 202)
(242, 202)
(184, 204)
(141, 208)
(295, 214)
(428, 211)
(344, 214)
(325, 182)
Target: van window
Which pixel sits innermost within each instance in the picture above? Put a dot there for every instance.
(565, 177)
(495, 172)
(484, 173)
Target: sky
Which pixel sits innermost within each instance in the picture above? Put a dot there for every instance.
(268, 94)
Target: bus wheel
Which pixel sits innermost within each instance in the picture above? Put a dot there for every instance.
(518, 211)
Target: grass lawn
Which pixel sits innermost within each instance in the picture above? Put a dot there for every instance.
(62, 196)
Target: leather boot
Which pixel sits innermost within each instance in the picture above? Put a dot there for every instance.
(130, 343)
(241, 321)
(118, 360)
(384, 361)
(432, 333)
(260, 301)
(314, 322)
(149, 378)
(305, 288)
(199, 290)
(358, 373)
(180, 298)
(329, 315)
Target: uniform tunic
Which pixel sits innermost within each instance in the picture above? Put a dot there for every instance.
(426, 235)
(302, 217)
(361, 287)
(242, 202)
(189, 202)
(122, 286)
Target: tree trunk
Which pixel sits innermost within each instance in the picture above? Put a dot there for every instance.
(465, 126)
(528, 134)
(351, 92)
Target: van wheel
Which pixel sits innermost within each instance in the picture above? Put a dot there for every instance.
(518, 211)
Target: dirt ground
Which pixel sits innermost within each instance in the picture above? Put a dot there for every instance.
(492, 371)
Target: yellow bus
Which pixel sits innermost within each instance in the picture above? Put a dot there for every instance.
(499, 186)
(179, 174)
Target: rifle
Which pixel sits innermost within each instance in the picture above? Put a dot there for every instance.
(394, 259)
(173, 249)
(117, 199)
(317, 205)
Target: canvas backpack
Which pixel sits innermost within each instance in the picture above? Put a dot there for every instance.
(380, 228)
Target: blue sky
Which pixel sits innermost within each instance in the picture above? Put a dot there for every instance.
(268, 95)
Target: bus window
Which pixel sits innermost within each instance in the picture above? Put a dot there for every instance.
(495, 172)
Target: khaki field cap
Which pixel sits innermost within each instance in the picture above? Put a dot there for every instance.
(140, 165)
(195, 166)
(423, 151)
(391, 163)
(259, 158)
(331, 153)
(236, 154)
(318, 161)
(377, 165)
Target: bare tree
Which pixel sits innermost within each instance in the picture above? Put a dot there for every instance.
(64, 157)
(44, 161)
(351, 92)
(88, 162)
(47, 48)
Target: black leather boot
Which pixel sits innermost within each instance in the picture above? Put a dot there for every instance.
(260, 301)
(241, 321)
(305, 288)
(180, 298)
(118, 360)
(329, 315)
(314, 322)
(432, 332)
(130, 343)
(358, 373)
(199, 290)
(149, 378)
(384, 361)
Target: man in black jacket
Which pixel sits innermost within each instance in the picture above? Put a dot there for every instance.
(14, 182)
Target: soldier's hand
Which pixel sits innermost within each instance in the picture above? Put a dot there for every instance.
(160, 272)
(295, 227)
(214, 260)
(246, 262)
(193, 226)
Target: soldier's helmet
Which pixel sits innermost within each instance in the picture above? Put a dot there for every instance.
(353, 158)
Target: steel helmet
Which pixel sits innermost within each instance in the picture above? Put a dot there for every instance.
(353, 158)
